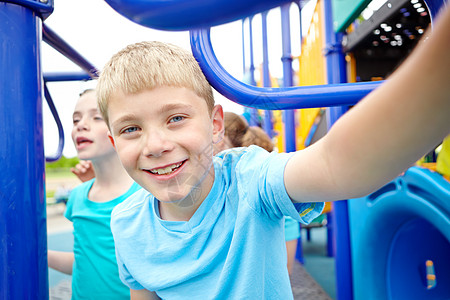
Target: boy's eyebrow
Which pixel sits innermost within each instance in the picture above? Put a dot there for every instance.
(173, 106)
(123, 119)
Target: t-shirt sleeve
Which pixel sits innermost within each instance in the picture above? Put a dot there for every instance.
(262, 184)
(76, 196)
(125, 276)
(69, 205)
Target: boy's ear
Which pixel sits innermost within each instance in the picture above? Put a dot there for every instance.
(111, 139)
(218, 123)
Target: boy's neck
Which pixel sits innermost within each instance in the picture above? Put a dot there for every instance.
(184, 209)
(174, 211)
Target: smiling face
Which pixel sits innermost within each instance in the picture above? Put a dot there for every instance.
(164, 138)
(90, 132)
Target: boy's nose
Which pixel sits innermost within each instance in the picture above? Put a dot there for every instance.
(155, 144)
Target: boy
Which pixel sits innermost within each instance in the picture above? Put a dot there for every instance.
(212, 229)
(92, 263)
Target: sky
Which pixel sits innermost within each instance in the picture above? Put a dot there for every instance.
(97, 32)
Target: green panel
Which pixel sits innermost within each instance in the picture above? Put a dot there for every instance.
(346, 11)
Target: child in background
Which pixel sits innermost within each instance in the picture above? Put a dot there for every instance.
(257, 136)
(235, 129)
(92, 263)
(209, 227)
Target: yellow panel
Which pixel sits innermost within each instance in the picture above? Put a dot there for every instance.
(278, 127)
(312, 70)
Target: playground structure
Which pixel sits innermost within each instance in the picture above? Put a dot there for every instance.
(416, 203)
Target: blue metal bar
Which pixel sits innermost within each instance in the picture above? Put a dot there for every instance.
(23, 235)
(251, 73)
(267, 122)
(336, 73)
(66, 76)
(265, 62)
(272, 98)
(300, 23)
(243, 46)
(288, 115)
(51, 38)
(330, 235)
(252, 63)
(185, 15)
(52, 107)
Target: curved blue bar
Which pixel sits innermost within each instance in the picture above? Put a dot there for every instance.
(23, 234)
(185, 15)
(54, 112)
(272, 98)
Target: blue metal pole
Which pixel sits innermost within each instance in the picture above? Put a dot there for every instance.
(243, 47)
(288, 115)
(267, 124)
(336, 73)
(253, 112)
(23, 235)
(300, 24)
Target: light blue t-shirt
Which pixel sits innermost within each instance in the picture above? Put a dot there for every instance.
(233, 246)
(95, 274)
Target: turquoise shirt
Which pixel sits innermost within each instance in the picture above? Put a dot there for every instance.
(95, 274)
(233, 246)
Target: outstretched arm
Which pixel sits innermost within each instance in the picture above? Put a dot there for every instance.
(61, 261)
(385, 133)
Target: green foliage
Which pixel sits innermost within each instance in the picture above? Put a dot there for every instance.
(63, 163)
(50, 194)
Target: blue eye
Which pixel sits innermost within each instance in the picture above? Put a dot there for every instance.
(130, 130)
(176, 119)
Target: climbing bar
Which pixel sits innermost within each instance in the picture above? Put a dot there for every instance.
(55, 41)
(272, 98)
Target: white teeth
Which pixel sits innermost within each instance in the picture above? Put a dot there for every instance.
(165, 170)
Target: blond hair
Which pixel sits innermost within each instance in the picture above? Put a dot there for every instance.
(147, 65)
(256, 136)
